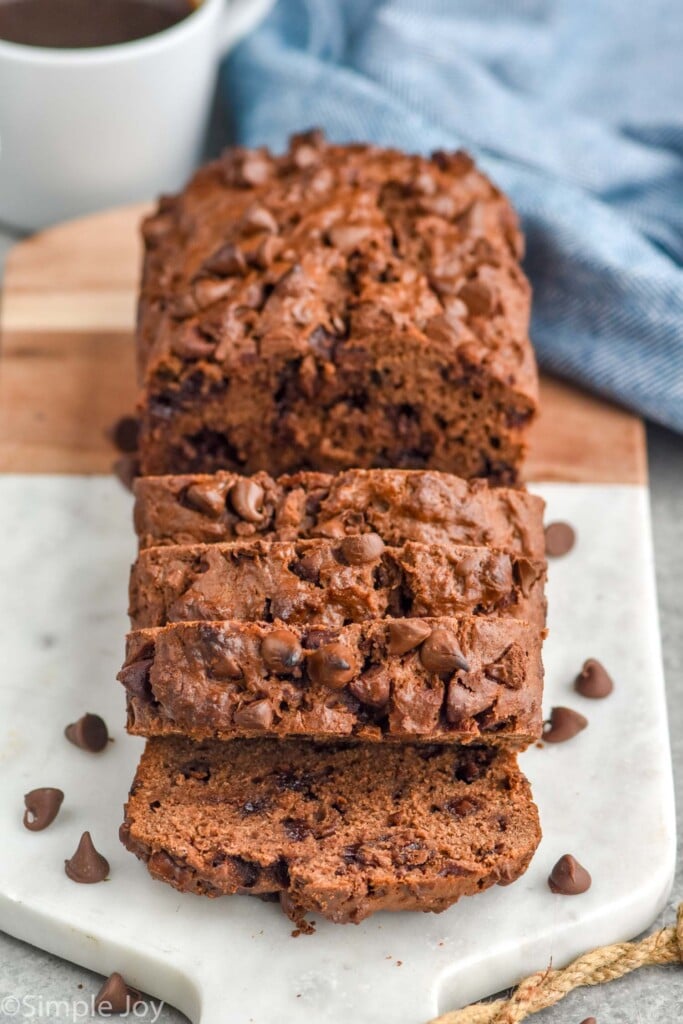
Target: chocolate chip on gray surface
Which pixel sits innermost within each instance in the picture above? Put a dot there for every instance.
(568, 877)
(564, 724)
(89, 733)
(281, 651)
(258, 715)
(126, 469)
(332, 665)
(593, 680)
(42, 807)
(406, 634)
(124, 434)
(590, 1020)
(87, 865)
(440, 653)
(559, 539)
(363, 548)
(116, 996)
(246, 498)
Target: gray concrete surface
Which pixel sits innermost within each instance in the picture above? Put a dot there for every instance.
(653, 996)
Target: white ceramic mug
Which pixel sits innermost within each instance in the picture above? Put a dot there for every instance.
(82, 129)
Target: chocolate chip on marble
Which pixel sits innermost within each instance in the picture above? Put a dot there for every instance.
(258, 716)
(590, 1020)
(125, 433)
(440, 653)
(281, 651)
(87, 866)
(246, 498)
(559, 539)
(564, 724)
(135, 677)
(206, 497)
(116, 996)
(227, 261)
(593, 680)
(406, 634)
(361, 549)
(568, 877)
(42, 807)
(373, 687)
(332, 665)
(89, 733)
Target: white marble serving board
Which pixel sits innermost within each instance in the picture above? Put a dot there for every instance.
(606, 796)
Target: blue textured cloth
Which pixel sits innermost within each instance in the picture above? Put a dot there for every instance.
(574, 107)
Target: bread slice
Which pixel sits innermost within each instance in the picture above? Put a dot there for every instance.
(330, 582)
(342, 831)
(399, 505)
(335, 306)
(454, 680)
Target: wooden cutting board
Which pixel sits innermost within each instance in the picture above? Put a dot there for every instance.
(66, 374)
(68, 368)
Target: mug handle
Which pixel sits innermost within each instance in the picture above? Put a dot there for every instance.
(239, 19)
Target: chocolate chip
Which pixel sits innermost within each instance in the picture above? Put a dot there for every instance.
(222, 664)
(190, 344)
(226, 262)
(366, 547)
(206, 497)
(124, 434)
(246, 498)
(559, 539)
(593, 680)
(440, 653)
(406, 634)
(116, 997)
(126, 469)
(526, 574)
(258, 218)
(589, 1020)
(42, 807)
(255, 169)
(87, 865)
(568, 877)
(461, 807)
(89, 733)
(478, 297)
(135, 677)
(281, 651)
(332, 665)
(564, 724)
(373, 687)
(258, 715)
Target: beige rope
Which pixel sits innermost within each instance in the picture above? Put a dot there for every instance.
(545, 988)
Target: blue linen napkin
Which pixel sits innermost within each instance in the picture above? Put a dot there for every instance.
(574, 107)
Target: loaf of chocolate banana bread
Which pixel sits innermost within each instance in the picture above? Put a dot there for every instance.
(451, 680)
(330, 582)
(335, 306)
(342, 831)
(399, 505)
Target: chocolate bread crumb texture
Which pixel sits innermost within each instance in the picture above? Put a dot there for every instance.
(284, 819)
(451, 680)
(399, 506)
(330, 582)
(335, 306)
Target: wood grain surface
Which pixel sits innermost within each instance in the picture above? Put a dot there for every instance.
(67, 365)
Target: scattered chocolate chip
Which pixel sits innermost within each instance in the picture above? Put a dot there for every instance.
(559, 539)
(258, 715)
(568, 877)
(373, 687)
(590, 1020)
(564, 724)
(281, 651)
(42, 807)
(246, 498)
(441, 653)
(226, 261)
(116, 997)
(87, 865)
(124, 434)
(358, 550)
(593, 680)
(206, 497)
(406, 634)
(332, 665)
(135, 677)
(89, 733)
